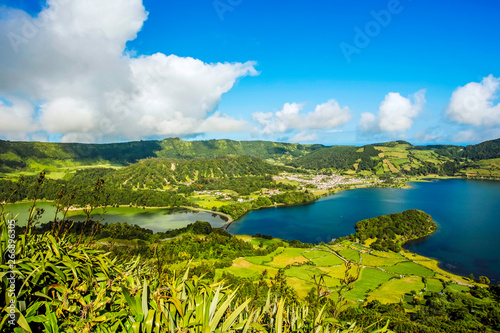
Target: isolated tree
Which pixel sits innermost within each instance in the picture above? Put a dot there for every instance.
(484, 280)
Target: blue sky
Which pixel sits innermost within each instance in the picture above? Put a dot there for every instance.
(417, 48)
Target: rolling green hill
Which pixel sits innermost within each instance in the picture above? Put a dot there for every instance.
(380, 159)
(37, 156)
(402, 158)
(159, 173)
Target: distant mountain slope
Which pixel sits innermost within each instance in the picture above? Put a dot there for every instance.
(397, 157)
(176, 148)
(157, 173)
(338, 157)
(389, 158)
(21, 155)
(483, 151)
(18, 155)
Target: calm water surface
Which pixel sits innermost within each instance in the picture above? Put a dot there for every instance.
(467, 212)
(156, 220)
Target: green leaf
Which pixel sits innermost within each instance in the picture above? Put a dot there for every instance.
(279, 317)
(148, 324)
(130, 301)
(23, 323)
(145, 297)
(218, 315)
(232, 318)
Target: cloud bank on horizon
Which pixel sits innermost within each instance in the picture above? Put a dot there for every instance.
(67, 73)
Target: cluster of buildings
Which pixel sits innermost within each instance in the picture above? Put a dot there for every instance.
(324, 182)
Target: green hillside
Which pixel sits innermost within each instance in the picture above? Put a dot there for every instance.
(483, 151)
(163, 173)
(33, 156)
(398, 158)
(402, 158)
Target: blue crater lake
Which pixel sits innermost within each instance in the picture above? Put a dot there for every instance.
(466, 211)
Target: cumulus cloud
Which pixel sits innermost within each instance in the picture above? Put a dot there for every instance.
(396, 114)
(304, 137)
(16, 119)
(466, 136)
(70, 62)
(432, 134)
(473, 104)
(475, 135)
(325, 116)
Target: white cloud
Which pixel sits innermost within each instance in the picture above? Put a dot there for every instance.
(396, 114)
(16, 119)
(325, 116)
(304, 137)
(475, 136)
(432, 134)
(328, 115)
(368, 123)
(466, 136)
(72, 58)
(67, 115)
(473, 104)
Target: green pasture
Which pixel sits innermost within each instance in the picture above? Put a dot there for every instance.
(289, 256)
(409, 268)
(369, 280)
(304, 272)
(392, 291)
(457, 287)
(350, 254)
(264, 242)
(328, 260)
(313, 254)
(434, 285)
(261, 260)
(371, 260)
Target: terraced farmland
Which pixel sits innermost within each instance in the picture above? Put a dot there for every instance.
(385, 276)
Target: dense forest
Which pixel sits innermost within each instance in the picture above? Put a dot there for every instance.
(236, 210)
(483, 151)
(391, 231)
(158, 173)
(81, 193)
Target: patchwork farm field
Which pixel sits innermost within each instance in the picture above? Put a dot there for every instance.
(384, 276)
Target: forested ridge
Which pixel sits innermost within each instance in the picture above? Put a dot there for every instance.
(397, 157)
(18, 155)
(158, 173)
(338, 157)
